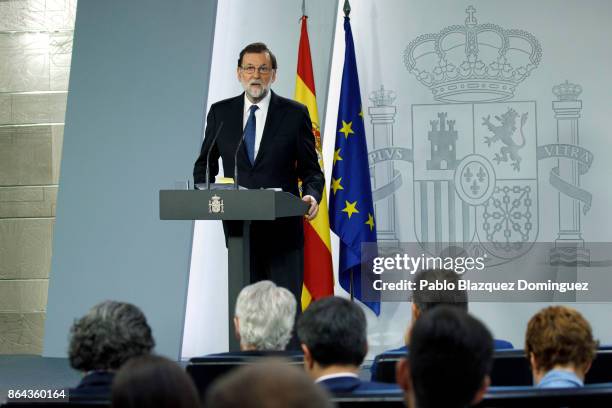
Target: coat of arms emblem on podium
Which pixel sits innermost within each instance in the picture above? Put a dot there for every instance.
(215, 205)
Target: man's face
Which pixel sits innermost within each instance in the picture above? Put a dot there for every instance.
(256, 84)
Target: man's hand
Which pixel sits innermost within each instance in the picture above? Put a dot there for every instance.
(314, 207)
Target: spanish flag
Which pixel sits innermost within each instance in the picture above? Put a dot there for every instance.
(318, 272)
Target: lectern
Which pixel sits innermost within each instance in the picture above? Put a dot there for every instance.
(238, 208)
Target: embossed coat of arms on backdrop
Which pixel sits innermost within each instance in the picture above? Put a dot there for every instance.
(475, 152)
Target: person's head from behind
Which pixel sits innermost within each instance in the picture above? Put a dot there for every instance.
(267, 385)
(332, 332)
(558, 337)
(256, 70)
(265, 314)
(426, 296)
(449, 360)
(153, 381)
(108, 335)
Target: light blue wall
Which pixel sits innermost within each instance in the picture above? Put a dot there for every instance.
(138, 88)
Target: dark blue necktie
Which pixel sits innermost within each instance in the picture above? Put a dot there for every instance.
(249, 133)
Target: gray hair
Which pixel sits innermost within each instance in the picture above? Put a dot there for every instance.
(266, 315)
(108, 335)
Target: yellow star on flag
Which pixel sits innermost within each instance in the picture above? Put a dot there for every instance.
(337, 156)
(346, 129)
(370, 221)
(361, 113)
(350, 208)
(336, 184)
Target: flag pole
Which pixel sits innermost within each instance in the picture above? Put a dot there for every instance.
(347, 10)
(351, 286)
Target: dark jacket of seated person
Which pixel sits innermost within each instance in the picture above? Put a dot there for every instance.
(560, 347)
(105, 338)
(95, 385)
(350, 383)
(425, 299)
(332, 332)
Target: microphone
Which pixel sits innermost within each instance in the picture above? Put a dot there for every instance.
(236, 159)
(212, 145)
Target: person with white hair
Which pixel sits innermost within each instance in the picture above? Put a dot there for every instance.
(264, 318)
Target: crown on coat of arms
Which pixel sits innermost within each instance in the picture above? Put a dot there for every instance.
(567, 91)
(473, 62)
(382, 97)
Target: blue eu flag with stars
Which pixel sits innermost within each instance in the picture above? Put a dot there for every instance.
(351, 209)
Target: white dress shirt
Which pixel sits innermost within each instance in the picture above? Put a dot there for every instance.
(337, 375)
(260, 117)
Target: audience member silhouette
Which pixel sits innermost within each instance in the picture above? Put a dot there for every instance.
(153, 382)
(449, 362)
(560, 346)
(424, 299)
(102, 341)
(267, 385)
(263, 321)
(332, 332)
(265, 315)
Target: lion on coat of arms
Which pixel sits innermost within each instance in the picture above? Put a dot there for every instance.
(505, 132)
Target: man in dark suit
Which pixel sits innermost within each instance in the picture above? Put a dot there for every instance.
(333, 335)
(278, 149)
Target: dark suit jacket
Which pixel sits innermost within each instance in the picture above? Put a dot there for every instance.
(348, 384)
(95, 386)
(286, 152)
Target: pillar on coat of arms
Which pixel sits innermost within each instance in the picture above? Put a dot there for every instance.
(382, 116)
(569, 242)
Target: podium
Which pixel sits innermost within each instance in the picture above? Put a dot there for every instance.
(238, 208)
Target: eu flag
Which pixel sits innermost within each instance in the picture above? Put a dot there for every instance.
(351, 210)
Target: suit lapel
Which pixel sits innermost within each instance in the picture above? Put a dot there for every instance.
(273, 120)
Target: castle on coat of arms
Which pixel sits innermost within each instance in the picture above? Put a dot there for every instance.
(443, 140)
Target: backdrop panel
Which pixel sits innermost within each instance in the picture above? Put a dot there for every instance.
(137, 91)
(492, 75)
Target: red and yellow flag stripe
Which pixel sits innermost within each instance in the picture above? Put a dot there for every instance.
(318, 272)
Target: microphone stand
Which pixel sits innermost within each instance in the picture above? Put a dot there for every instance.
(212, 145)
(236, 159)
